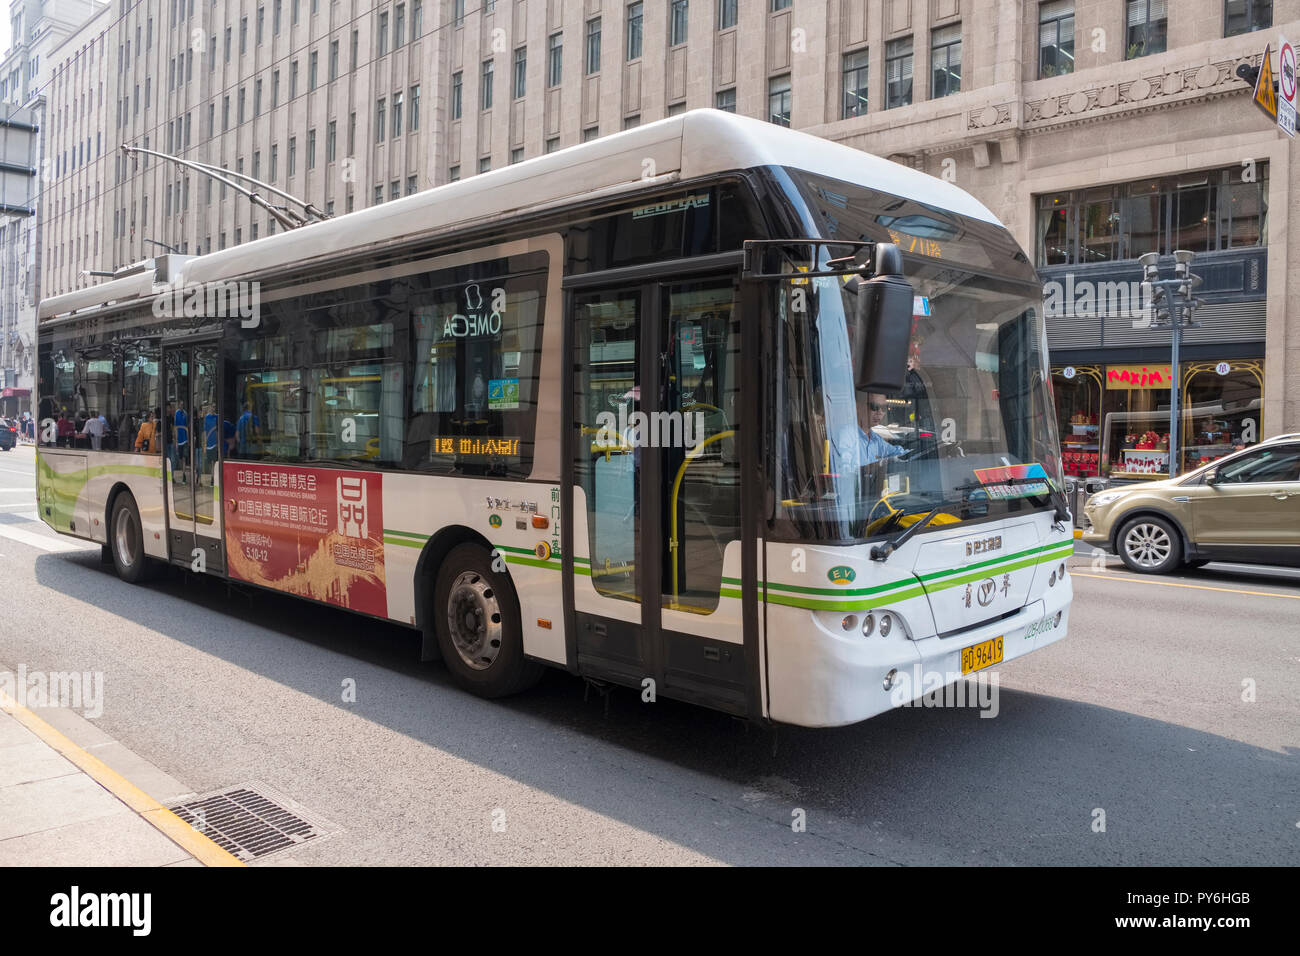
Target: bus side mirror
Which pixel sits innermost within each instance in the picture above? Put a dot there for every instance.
(884, 325)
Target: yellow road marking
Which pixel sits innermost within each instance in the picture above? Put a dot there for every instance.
(169, 824)
(1171, 584)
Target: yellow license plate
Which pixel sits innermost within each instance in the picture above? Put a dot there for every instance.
(978, 656)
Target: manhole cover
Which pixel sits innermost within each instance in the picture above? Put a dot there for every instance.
(251, 822)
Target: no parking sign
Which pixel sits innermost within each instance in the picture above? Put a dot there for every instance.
(1286, 86)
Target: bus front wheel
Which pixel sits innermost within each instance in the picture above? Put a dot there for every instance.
(126, 542)
(477, 621)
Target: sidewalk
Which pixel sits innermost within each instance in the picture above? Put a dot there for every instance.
(72, 796)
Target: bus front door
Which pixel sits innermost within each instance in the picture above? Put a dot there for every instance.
(656, 490)
(192, 452)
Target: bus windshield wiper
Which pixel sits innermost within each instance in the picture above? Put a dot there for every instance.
(881, 552)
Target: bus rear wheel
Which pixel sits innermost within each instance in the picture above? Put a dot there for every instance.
(126, 542)
(476, 617)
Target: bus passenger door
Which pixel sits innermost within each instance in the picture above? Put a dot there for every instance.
(656, 490)
(192, 452)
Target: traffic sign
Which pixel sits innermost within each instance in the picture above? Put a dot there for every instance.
(1286, 87)
(1265, 98)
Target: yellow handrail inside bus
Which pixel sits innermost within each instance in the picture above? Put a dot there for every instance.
(677, 487)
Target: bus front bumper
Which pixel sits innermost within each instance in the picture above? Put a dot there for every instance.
(821, 679)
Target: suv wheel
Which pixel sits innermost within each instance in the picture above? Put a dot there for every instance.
(1150, 545)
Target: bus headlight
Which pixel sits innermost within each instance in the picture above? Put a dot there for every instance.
(886, 625)
(850, 622)
(868, 625)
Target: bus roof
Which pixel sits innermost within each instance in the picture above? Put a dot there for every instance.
(679, 148)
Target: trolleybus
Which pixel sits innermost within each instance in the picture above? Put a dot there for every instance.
(709, 408)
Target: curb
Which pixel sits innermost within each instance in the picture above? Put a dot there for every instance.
(150, 810)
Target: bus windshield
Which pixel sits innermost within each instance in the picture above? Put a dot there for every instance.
(968, 437)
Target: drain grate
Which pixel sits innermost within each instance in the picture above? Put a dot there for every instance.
(250, 822)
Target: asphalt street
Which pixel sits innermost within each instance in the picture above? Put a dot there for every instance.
(1173, 708)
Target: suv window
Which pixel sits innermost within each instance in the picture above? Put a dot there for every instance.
(1279, 463)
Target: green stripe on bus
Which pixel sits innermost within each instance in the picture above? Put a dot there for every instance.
(788, 601)
(533, 562)
(406, 534)
(403, 542)
(980, 575)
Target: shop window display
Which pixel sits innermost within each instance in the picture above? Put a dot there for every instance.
(1115, 418)
(1078, 393)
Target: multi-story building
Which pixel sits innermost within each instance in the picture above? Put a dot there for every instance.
(38, 26)
(1097, 129)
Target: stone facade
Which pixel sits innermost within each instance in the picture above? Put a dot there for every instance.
(1007, 137)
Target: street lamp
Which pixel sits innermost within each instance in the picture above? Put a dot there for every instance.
(1171, 306)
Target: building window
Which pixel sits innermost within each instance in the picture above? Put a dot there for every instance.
(676, 108)
(311, 71)
(726, 100)
(521, 73)
(554, 60)
(413, 111)
(417, 20)
(381, 117)
(383, 34)
(399, 25)
(275, 157)
(257, 98)
(331, 141)
(243, 37)
(458, 12)
(634, 14)
(593, 46)
(275, 89)
(726, 14)
(486, 101)
(590, 133)
(632, 122)
(1201, 212)
(395, 189)
(293, 79)
(379, 195)
(898, 73)
(311, 149)
(412, 185)
(1148, 28)
(553, 144)
(677, 17)
(334, 60)
(456, 88)
(485, 164)
(516, 155)
(945, 61)
(397, 114)
(1246, 16)
(778, 100)
(781, 5)
(855, 85)
(261, 24)
(293, 155)
(1056, 38)
(453, 174)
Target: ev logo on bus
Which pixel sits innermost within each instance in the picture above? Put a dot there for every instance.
(354, 516)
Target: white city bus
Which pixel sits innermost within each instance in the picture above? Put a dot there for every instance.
(618, 409)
